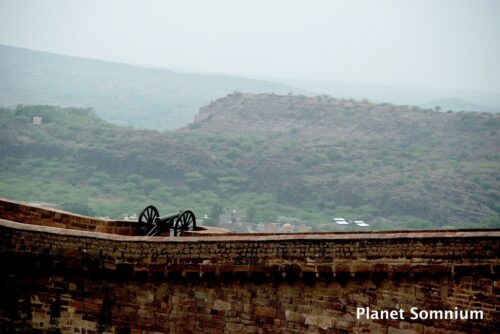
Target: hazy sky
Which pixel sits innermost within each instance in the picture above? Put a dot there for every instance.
(451, 44)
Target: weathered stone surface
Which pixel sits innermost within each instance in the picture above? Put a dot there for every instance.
(264, 311)
(321, 321)
(294, 316)
(222, 305)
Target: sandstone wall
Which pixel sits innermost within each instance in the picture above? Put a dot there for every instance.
(30, 214)
(57, 280)
(64, 303)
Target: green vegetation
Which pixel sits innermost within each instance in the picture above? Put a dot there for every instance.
(424, 179)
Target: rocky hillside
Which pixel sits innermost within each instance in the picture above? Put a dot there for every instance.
(265, 156)
(407, 161)
(332, 118)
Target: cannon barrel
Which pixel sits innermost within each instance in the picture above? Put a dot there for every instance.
(170, 217)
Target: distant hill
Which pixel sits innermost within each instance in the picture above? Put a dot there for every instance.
(409, 161)
(122, 94)
(327, 117)
(456, 105)
(265, 156)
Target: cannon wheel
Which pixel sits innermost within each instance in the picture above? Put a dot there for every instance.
(185, 222)
(147, 219)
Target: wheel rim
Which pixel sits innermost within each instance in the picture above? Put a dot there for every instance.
(147, 219)
(186, 222)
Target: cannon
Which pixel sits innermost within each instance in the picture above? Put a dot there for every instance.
(150, 222)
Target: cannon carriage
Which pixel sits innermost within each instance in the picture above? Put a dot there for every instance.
(151, 223)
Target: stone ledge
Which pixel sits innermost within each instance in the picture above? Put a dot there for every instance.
(258, 237)
(339, 271)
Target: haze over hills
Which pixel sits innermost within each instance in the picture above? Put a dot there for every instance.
(417, 96)
(456, 105)
(162, 99)
(122, 94)
(266, 155)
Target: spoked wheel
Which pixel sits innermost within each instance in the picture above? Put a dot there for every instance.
(147, 219)
(185, 222)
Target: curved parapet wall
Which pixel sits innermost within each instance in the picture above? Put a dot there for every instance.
(435, 251)
(36, 215)
(84, 281)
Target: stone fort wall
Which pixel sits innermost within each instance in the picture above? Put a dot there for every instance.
(35, 215)
(66, 280)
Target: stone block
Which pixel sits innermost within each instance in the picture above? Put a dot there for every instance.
(294, 316)
(323, 322)
(247, 308)
(221, 305)
(265, 311)
(234, 327)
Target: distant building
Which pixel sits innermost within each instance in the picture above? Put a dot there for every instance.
(203, 219)
(37, 120)
(360, 223)
(234, 218)
(132, 217)
(340, 221)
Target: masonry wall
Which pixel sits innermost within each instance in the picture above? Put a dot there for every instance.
(63, 303)
(55, 280)
(30, 214)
